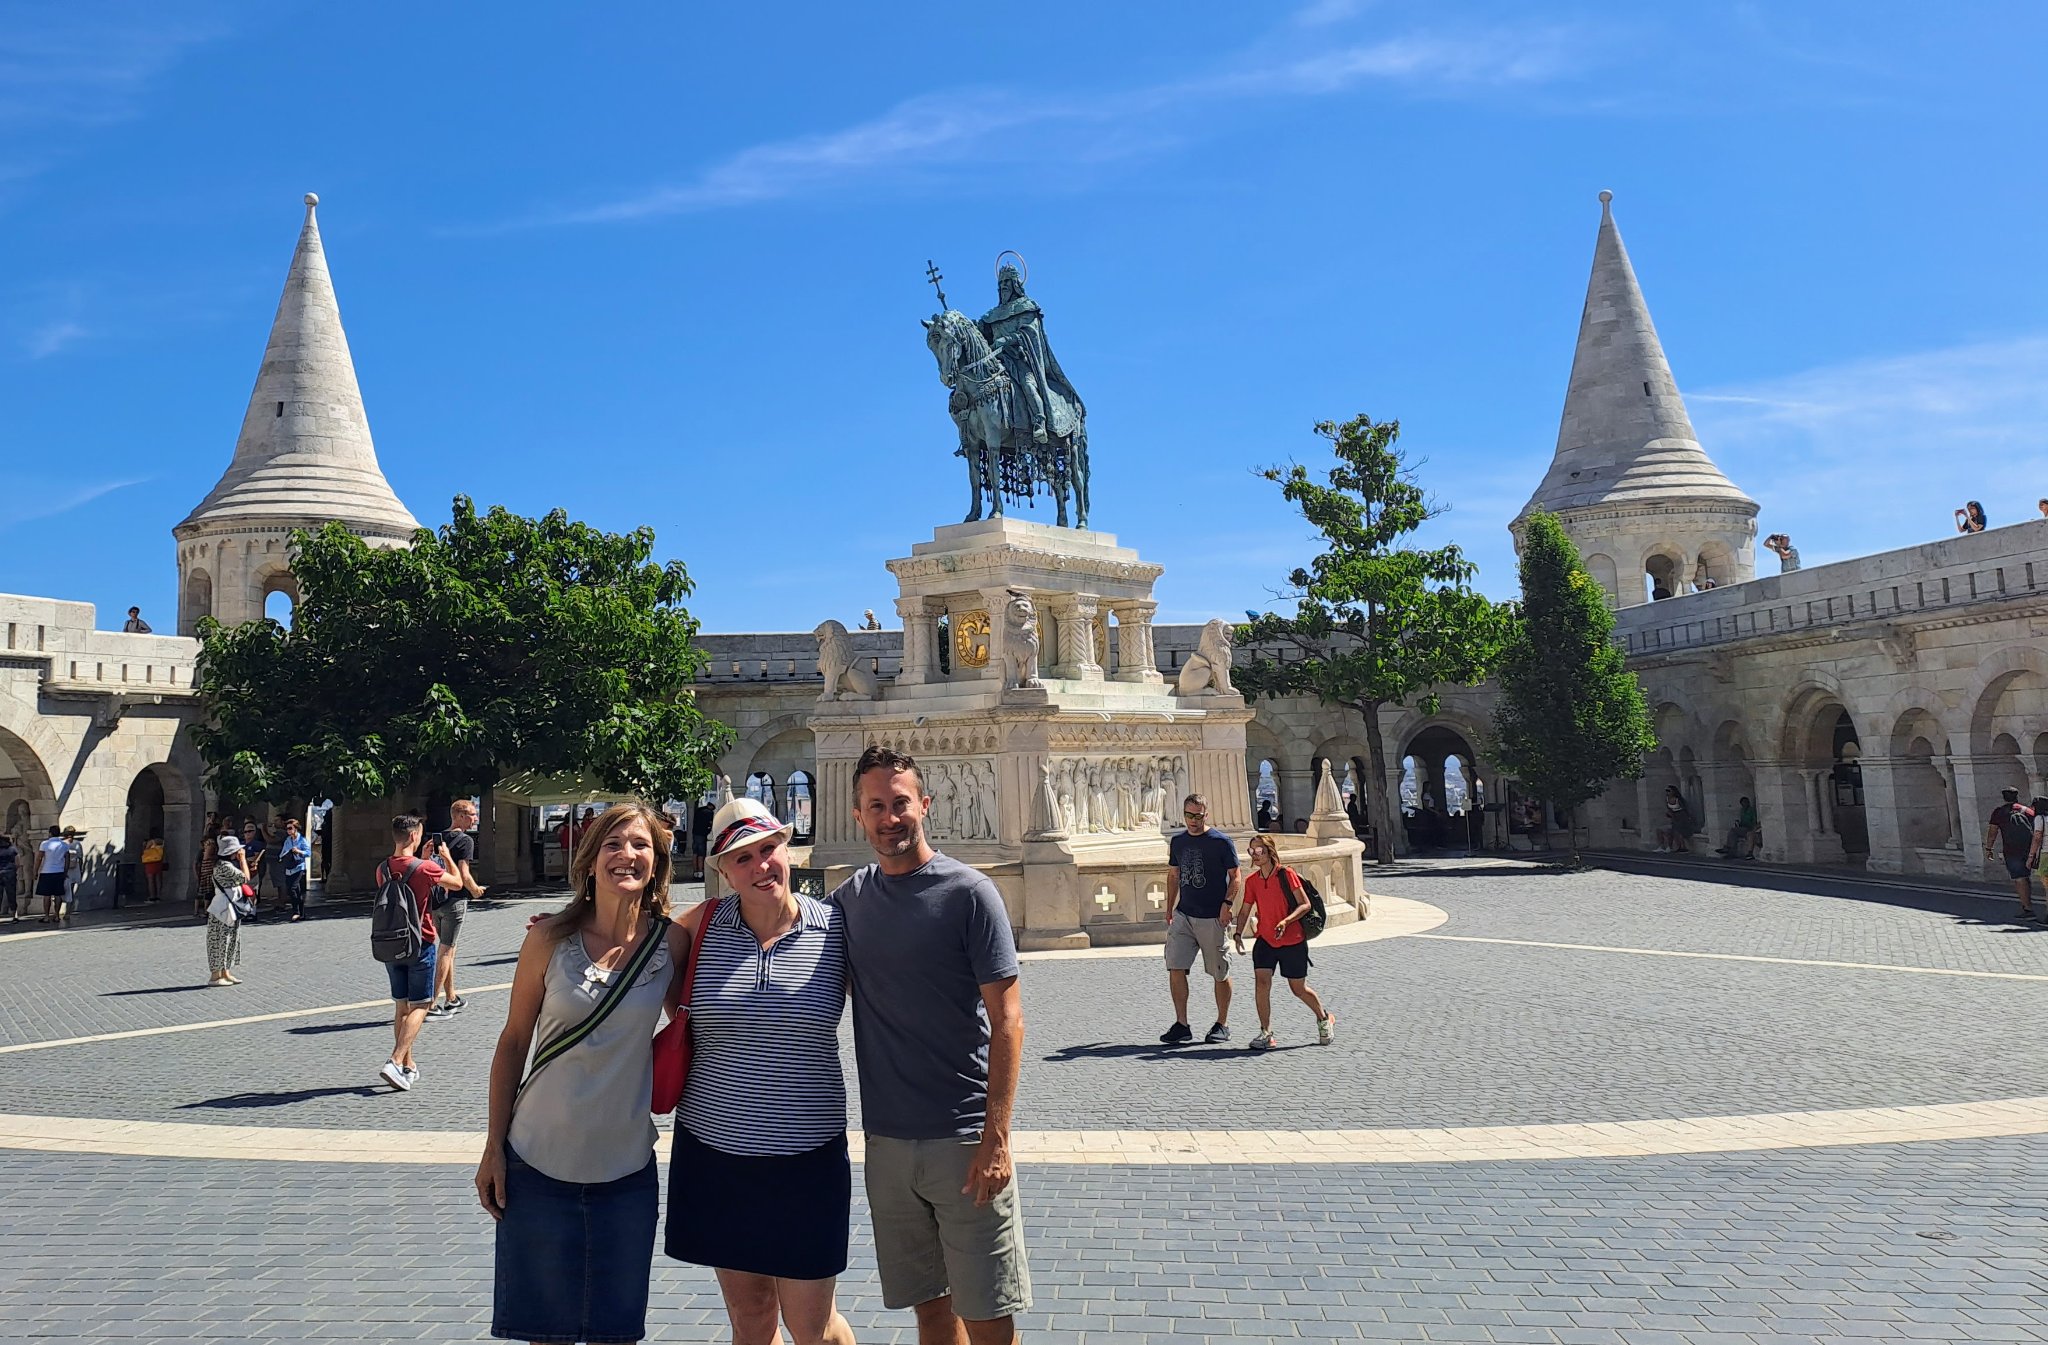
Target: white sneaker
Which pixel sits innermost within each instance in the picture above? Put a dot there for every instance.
(394, 1074)
(412, 1073)
(1326, 1029)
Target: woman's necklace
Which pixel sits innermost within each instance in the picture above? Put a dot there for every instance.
(598, 974)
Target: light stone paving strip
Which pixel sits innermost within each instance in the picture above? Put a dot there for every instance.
(1137, 1148)
(1734, 957)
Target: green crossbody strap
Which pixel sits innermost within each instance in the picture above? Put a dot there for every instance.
(614, 995)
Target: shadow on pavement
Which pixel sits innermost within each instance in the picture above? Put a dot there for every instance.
(156, 990)
(237, 1101)
(322, 1029)
(1126, 1050)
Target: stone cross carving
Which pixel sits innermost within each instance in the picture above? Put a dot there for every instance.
(1105, 898)
(1156, 896)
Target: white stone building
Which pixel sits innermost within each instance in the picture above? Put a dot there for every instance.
(1873, 709)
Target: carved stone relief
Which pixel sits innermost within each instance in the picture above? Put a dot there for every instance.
(963, 800)
(1107, 795)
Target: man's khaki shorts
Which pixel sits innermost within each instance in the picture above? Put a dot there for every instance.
(931, 1241)
(1186, 936)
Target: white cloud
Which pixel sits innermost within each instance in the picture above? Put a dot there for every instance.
(88, 65)
(1874, 453)
(46, 497)
(52, 337)
(945, 131)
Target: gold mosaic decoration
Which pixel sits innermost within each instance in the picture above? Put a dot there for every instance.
(970, 639)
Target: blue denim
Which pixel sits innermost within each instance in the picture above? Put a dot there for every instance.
(413, 982)
(573, 1260)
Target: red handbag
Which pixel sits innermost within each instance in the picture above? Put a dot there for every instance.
(672, 1043)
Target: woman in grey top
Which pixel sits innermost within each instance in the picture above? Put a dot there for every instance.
(568, 1168)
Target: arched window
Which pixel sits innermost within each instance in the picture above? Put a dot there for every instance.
(797, 807)
(278, 605)
(1411, 783)
(761, 789)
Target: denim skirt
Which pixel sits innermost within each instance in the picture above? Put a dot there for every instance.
(574, 1259)
(785, 1216)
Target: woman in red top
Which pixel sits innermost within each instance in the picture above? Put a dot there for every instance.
(1276, 895)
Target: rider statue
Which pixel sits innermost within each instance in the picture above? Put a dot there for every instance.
(1016, 328)
(1023, 428)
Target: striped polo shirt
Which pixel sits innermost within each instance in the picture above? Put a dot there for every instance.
(764, 1065)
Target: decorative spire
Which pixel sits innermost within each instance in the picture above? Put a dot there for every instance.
(1625, 437)
(305, 456)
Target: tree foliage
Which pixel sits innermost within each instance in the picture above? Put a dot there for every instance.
(498, 644)
(1571, 718)
(1376, 623)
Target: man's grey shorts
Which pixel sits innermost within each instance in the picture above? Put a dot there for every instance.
(1186, 936)
(931, 1240)
(448, 921)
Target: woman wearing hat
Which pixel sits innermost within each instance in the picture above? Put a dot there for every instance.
(759, 1183)
(568, 1168)
(223, 919)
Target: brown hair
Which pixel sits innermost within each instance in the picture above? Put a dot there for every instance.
(1261, 841)
(583, 865)
(880, 757)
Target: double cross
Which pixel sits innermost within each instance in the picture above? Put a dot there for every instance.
(931, 273)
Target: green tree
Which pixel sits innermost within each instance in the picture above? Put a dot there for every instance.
(498, 644)
(1376, 623)
(1571, 718)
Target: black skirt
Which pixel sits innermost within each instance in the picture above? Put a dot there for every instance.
(785, 1216)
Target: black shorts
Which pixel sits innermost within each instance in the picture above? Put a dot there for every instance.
(50, 884)
(1291, 959)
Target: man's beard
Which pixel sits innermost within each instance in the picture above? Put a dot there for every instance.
(902, 843)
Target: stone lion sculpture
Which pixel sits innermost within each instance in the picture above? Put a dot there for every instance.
(1207, 672)
(847, 676)
(1020, 641)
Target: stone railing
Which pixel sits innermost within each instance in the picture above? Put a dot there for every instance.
(1989, 567)
(75, 655)
(790, 656)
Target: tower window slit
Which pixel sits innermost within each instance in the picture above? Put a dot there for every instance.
(280, 410)
(1646, 389)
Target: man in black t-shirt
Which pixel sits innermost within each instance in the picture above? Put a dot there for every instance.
(1200, 886)
(457, 849)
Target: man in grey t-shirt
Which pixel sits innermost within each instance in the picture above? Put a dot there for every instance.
(938, 1034)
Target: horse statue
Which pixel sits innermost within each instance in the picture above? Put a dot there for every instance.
(1021, 425)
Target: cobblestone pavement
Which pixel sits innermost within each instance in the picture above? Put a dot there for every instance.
(1934, 1241)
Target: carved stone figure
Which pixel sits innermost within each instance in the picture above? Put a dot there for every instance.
(1127, 809)
(1207, 671)
(1046, 813)
(1020, 641)
(971, 827)
(1099, 805)
(985, 787)
(1063, 782)
(847, 677)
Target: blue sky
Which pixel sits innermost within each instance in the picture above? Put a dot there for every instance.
(664, 264)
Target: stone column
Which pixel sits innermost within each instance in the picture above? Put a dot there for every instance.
(993, 601)
(920, 641)
(1076, 613)
(1881, 816)
(1135, 659)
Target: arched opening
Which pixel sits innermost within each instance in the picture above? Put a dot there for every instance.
(790, 754)
(1266, 797)
(278, 606)
(26, 797)
(196, 602)
(1829, 775)
(159, 809)
(1921, 782)
(1436, 815)
(1601, 568)
(800, 805)
(1661, 578)
(761, 789)
(1715, 567)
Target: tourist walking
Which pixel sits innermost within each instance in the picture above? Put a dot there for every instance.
(294, 856)
(10, 878)
(224, 912)
(760, 1186)
(1201, 884)
(56, 858)
(1742, 837)
(256, 845)
(405, 888)
(2012, 830)
(938, 1034)
(568, 1166)
(1275, 896)
(153, 865)
(458, 851)
(1970, 518)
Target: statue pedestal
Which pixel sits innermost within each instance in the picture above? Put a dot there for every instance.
(1121, 748)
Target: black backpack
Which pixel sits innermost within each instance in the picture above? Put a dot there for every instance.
(1311, 924)
(2017, 828)
(396, 933)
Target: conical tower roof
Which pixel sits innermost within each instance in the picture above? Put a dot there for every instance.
(305, 456)
(1625, 438)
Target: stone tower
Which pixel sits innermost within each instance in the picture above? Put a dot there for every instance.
(1649, 511)
(304, 458)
